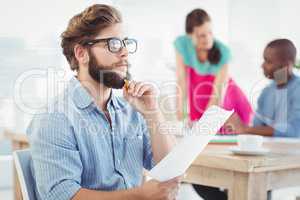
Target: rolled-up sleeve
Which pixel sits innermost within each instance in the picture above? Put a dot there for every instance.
(56, 161)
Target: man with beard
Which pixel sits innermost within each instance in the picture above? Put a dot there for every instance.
(94, 145)
(278, 110)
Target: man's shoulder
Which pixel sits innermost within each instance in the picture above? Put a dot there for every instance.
(60, 105)
(47, 123)
(297, 80)
(56, 110)
(295, 87)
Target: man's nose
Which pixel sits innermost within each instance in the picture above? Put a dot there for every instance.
(124, 52)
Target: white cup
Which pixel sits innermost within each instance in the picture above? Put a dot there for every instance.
(250, 142)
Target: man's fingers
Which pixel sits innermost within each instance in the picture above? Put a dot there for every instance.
(175, 179)
(170, 183)
(143, 89)
(172, 187)
(134, 87)
(173, 192)
(131, 86)
(137, 87)
(179, 178)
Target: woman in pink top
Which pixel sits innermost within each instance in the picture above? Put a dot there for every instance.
(202, 75)
(202, 72)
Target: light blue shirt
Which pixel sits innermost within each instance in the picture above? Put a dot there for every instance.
(73, 146)
(280, 108)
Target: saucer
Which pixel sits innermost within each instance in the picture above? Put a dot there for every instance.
(251, 152)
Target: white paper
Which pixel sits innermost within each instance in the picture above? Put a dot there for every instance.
(187, 150)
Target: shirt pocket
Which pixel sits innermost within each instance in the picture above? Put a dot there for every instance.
(133, 148)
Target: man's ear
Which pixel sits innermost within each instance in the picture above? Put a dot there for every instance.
(81, 54)
(288, 66)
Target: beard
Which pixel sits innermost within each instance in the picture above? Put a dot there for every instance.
(105, 75)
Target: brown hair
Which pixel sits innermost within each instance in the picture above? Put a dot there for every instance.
(286, 50)
(198, 17)
(86, 25)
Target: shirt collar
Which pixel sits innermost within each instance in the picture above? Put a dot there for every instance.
(114, 100)
(288, 84)
(83, 99)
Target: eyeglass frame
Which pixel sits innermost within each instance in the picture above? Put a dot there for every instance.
(107, 40)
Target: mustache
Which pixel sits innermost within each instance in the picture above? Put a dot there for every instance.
(121, 63)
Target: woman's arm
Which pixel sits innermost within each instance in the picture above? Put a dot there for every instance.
(219, 86)
(180, 86)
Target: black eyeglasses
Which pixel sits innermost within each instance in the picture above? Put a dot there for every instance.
(115, 45)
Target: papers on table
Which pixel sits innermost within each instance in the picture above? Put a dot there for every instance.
(224, 139)
(186, 151)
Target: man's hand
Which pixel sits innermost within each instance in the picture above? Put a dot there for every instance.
(142, 96)
(154, 190)
(235, 125)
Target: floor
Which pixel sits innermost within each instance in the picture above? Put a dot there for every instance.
(187, 193)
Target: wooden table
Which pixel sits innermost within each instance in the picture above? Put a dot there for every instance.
(18, 141)
(247, 177)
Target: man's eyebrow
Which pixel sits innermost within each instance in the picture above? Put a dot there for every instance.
(104, 38)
